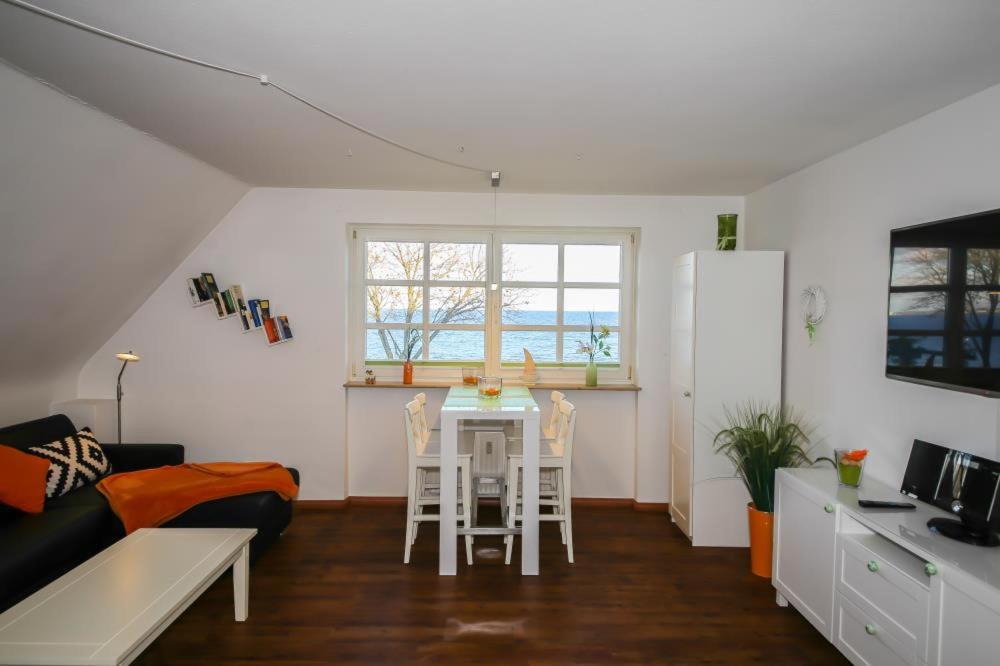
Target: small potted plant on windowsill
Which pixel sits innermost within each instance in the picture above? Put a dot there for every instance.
(411, 343)
(760, 439)
(598, 345)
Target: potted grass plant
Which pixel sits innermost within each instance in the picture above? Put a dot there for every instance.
(759, 439)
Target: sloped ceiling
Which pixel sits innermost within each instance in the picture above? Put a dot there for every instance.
(93, 216)
(647, 96)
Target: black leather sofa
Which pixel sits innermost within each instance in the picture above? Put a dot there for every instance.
(35, 549)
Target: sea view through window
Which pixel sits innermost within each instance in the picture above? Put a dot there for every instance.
(444, 297)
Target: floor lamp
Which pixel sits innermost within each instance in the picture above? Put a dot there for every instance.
(125, 359)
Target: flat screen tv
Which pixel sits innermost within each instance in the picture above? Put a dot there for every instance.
(944, 293)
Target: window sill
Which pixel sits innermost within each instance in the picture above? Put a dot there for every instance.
(546, 386)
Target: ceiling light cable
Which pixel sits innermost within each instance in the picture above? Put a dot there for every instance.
(262, 79)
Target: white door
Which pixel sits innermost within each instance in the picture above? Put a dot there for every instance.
(804, 543)
(682, 392)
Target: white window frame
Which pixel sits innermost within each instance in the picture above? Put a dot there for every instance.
(494, 238)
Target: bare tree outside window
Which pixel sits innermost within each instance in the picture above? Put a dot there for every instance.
(463, 304)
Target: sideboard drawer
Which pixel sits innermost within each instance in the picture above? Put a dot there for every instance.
(866, 642)
(884, 581)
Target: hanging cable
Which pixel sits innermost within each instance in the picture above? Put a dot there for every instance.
(263, 79)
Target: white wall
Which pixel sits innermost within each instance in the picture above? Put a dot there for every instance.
(834, 220)
(93, 217)
(227, 395)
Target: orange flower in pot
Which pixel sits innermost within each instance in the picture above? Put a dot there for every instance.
(760, 439)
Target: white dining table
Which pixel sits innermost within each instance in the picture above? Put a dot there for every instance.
(513, 404)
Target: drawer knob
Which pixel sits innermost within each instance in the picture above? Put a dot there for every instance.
(828, 508)
(872, 566)
(930, 569)
(870, 629)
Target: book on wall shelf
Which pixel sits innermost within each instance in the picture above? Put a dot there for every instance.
(220, 306)
(271, 329)
(242, 311)
(284, 329)
(256, 322)
(229, 302)
(198, 292)
(224, 307)
(208, 282)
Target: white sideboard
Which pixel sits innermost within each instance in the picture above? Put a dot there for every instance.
(877, 583)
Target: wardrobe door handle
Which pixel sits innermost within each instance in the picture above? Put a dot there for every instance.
(686, 394)
(872, 566)
(828, 508)
(930, 569)
(870, 629)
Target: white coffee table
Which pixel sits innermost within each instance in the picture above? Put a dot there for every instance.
(111, 607)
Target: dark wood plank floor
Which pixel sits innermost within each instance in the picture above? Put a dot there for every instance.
(334, 590)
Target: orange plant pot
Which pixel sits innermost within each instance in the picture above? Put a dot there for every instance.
(761, 540)
(408, 373)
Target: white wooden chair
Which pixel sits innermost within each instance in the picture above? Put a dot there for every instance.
(424, 456)
(555, 457)
(546, 478)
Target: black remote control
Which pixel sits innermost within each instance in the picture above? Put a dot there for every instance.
(878, 504)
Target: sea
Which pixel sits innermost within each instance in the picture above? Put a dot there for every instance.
(470, 345)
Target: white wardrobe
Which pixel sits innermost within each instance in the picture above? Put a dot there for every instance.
(725, 349)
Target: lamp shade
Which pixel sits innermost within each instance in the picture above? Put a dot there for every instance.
(129, 356)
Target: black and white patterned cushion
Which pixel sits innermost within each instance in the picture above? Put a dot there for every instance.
(75, 462)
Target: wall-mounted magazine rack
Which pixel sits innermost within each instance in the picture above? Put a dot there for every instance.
(254, 314)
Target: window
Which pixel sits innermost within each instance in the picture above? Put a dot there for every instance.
(448, 297)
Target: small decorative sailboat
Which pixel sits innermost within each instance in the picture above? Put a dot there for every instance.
(530, 375)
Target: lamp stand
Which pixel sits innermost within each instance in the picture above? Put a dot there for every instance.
(119, 397)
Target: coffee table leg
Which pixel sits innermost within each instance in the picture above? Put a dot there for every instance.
(241, 584)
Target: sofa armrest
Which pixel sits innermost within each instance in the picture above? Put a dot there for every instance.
(132, 457)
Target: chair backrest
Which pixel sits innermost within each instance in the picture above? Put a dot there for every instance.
(566, 428)
(415, 438)
(556, 398)
(422, 399)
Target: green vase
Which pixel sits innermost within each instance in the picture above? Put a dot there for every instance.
(591, 374)
(726, 238)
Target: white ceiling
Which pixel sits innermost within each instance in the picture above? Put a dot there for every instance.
(665, 97)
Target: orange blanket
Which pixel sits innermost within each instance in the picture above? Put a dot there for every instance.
(151, 497)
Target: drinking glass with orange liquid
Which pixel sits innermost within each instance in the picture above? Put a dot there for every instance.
(490, 387)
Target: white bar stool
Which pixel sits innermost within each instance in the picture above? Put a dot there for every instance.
(555, 456)
(547, 478)
(424, 456)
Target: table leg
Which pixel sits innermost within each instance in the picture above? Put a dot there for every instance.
(529, 497)
(241, 584)
(448, 544)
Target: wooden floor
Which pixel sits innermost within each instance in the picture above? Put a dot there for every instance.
(335, 590)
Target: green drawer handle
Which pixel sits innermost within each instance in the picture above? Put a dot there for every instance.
(872, 566)
(828, 508)
(930, 569)
(870, 629)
